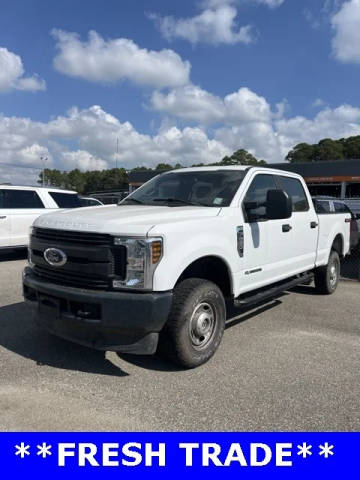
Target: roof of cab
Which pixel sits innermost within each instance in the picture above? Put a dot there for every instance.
(29, 187)
(244, 168)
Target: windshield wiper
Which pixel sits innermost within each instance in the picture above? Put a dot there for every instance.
(178, 201)
(135, 200)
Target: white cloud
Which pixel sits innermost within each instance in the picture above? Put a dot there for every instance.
(86, 139)
(343, 121)
(217, 3)
(346, 24)
(12, 74)
(311, 19)
(319, 103)
(245, 106)
(94, 133)
(272, 141)
(194, 103)
(109, 61)
(213, 25)
(190, 103)
(259, 138)
(271, 3)
(82, 160)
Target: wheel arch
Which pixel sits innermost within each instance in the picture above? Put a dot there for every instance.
(212, 268)
(338, 245)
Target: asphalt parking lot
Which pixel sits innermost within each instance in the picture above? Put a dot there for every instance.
(291, 364)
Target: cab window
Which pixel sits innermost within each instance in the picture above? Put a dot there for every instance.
(66, 200)
(293, 187)
(255, 199)
(20, 199)
(341, 208)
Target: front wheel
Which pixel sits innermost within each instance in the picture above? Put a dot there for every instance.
(327, 277)
(196, 323)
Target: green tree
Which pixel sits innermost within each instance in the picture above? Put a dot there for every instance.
(163, 166)
(140, 169)
(301, 153)
(53, 178)
(351, 147)
(241, 157)
(326, 150)
(75, 180)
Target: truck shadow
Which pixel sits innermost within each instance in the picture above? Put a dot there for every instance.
(235, 316)
(19, 334)
(350, 266)
(9, 255)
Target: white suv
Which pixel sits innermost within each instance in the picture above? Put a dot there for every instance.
(20, 206)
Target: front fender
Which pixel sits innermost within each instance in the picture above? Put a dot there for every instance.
(179, 254)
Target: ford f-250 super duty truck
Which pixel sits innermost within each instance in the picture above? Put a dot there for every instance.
(157, 270)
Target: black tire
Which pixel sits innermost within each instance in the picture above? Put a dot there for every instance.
(195, 325)
(327, 277)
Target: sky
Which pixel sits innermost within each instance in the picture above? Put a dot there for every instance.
(98, 83)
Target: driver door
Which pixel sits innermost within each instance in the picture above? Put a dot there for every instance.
(257, 230)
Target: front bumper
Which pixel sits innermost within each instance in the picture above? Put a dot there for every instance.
(119, 321)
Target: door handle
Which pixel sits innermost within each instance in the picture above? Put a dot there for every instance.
(313, 224)
(286, 228)
(2, 217)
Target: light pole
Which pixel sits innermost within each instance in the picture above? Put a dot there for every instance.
(44, 160)
(117, 151)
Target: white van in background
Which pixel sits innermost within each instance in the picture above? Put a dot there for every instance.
(20, 206)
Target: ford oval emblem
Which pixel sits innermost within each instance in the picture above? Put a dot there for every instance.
(55, 257)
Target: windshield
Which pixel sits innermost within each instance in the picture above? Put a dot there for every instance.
(208, 188)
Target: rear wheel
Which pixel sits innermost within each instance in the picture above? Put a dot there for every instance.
(195, 325)
(327, 277)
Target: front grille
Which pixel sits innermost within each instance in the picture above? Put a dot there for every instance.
(68, 236)
(93, 261)
(71, 279)
(119, 255)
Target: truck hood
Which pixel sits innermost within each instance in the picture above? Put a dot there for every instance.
(124, 219)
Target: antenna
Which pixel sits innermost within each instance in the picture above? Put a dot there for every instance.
(44, 160)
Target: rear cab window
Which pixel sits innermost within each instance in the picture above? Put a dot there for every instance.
(341, 208)
(65, 200)
(322, 206)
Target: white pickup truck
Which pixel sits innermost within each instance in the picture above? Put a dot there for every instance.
(157, 271)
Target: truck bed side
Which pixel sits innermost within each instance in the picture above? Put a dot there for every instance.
(332, 227)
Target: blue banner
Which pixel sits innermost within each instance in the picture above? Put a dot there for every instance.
(158, 455)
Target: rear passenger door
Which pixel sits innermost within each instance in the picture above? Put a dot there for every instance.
(23, 207)
(293, 242)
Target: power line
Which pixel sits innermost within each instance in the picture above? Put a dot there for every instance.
(20, 166)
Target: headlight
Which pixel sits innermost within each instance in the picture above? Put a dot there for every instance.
(143, 256)
(30, 262)
(31, 231)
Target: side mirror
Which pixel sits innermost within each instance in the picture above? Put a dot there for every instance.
(278, 205)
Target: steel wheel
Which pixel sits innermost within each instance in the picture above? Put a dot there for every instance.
(202, 325)
(334, 274)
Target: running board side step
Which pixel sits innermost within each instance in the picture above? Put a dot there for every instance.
(271, 291)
